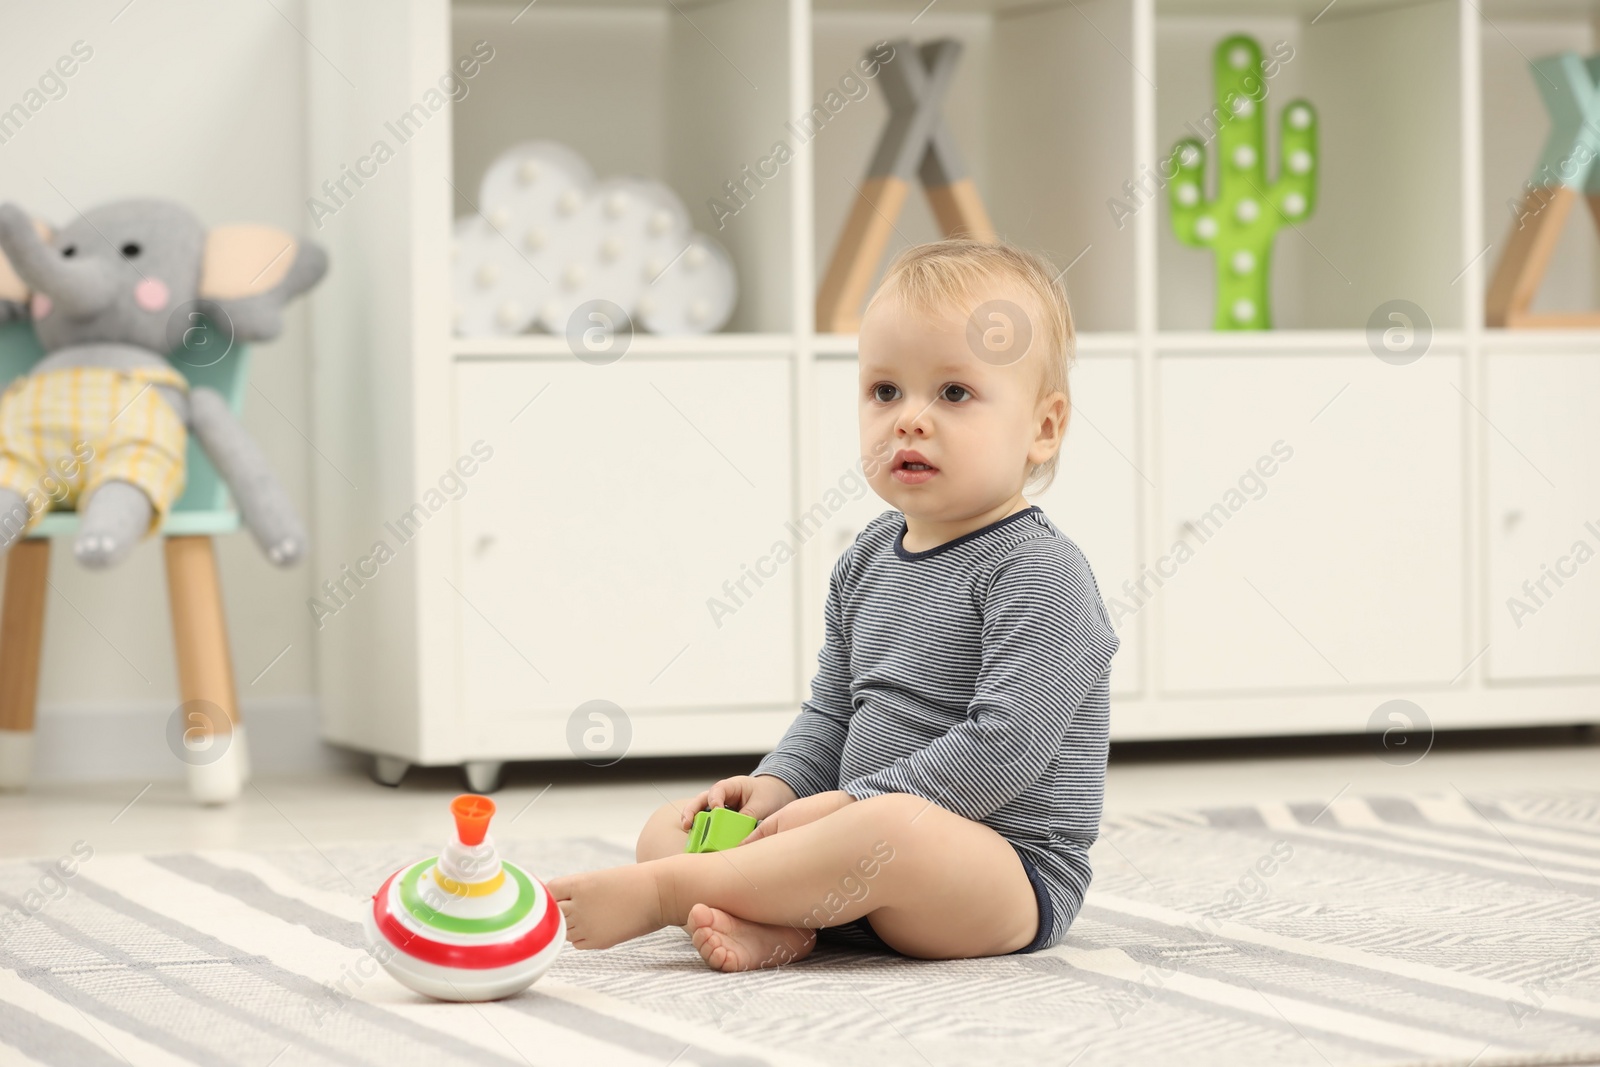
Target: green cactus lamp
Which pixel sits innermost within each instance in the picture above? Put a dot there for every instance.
(1239, 225)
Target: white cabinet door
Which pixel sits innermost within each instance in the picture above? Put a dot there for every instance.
(1314, 508)
(623, 505)
(1093, 499)
(1544, 516)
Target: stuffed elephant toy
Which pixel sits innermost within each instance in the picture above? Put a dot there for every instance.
(105, 408)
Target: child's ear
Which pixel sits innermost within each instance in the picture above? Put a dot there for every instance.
(1054, 412)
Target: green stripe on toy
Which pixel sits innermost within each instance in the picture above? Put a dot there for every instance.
(718, 829)
(420, 910)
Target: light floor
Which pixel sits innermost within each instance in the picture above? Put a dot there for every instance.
(564, 800)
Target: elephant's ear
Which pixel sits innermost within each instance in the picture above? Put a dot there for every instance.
(244, 260)
(13, 290)
(249, 272)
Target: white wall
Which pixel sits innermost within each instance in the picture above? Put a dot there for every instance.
(202, 103)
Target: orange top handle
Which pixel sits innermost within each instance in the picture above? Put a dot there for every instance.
(472, 813)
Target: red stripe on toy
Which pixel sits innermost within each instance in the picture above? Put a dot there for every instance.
(469, 957)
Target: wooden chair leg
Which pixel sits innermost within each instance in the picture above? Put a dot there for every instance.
(199, 631)
(21, 633)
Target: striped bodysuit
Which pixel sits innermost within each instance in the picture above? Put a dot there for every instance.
(974, 674)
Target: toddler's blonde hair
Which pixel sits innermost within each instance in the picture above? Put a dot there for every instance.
(956, 273)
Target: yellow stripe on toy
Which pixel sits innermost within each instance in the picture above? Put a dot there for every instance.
(468, 889)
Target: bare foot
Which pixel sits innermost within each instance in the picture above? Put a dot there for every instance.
(729, 943)
(605, 908)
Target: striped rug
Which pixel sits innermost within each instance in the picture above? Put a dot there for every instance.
(1382, 930)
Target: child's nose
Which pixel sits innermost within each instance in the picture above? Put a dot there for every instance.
(916, 420)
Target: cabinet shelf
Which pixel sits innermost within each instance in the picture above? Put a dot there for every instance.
(838, 345)
(550, 346)
(831, 345)
(1540, 340)
(1271, 342)
(1398, 216)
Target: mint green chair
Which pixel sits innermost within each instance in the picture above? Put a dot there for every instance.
(204, 510)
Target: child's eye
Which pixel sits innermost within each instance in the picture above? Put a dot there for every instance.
(962, 391)
(878, 392)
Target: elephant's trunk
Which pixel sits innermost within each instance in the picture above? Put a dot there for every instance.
(79, 287)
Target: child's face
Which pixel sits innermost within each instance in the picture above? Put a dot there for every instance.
(976, 422)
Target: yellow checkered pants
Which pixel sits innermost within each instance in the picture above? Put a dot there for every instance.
(63, 432)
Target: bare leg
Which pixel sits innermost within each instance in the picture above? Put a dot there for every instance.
(662, 836)
(726, 942)
(937, 886)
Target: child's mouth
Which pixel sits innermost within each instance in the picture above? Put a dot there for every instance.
(912, 468)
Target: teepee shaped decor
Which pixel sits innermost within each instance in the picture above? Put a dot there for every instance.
(915, 142)
(1565, 171)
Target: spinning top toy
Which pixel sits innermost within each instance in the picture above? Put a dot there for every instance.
(465, 924)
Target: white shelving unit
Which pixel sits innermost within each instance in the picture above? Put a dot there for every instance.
(1373, 563)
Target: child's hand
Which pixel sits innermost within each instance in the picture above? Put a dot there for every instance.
(800, 812)
(757, 797)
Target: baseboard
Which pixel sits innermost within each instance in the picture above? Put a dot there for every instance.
(113, 742)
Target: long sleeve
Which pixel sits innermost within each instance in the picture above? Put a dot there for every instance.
(1046, 644)
(807, 757)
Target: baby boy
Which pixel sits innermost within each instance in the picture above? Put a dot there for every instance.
(938, 793)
